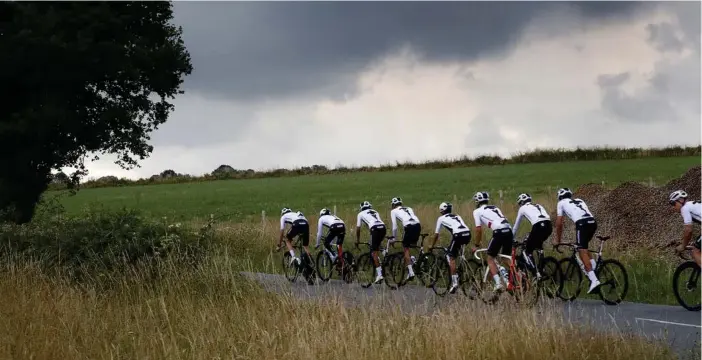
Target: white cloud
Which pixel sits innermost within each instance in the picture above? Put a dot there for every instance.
(545, 93)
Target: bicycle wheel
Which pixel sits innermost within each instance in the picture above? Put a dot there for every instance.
(365, 270)
(525, 288)
(390, 272)
(468, 277)
(550, 277)
(291, 270)
(423, 269)
(309, 272)
(397, 269)
(686, 285)
(571, 277)
(614, 281)
(442, 277)
(347, 270)
(324, 265)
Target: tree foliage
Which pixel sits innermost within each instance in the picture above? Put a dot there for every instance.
(81, 78)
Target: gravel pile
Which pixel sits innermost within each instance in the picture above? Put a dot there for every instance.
(636, 215)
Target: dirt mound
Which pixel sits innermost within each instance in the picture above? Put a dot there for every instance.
(690, 182)
(636, 215)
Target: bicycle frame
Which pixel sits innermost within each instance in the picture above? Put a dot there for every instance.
(510, 273)
(597, 255)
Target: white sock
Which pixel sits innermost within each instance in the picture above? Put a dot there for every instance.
(592, 276)
(409, 268)
(592, 263)
(378, 270)
(292, 253)
(454, 277)
(497, 279)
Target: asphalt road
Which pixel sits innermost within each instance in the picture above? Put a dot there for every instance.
(679, 327)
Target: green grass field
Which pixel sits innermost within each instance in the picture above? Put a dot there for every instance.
(236, 200)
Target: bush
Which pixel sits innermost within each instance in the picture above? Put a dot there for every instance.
(102, 241)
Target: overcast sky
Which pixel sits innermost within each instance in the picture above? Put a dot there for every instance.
(287, 84)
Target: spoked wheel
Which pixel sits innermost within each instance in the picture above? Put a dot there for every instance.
(525, 287)
(365, 271)
(686, 285)
(397, 269)
(347, 270)
(550, 277)
(308, 268)
(325, 265)
(291, 269)
(423, 269)
(390, 273)
(469, 277)
(442, 277)
(614, 281)
(571, 277)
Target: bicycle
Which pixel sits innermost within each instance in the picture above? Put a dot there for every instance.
(325, 265)
(306, 265)
(422, 265)
(465, 269)
(519, 284)
(604, 270)
(546, 270)
(365, 266)
(691, 285)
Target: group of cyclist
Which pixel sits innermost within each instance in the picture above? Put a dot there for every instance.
(484, 215)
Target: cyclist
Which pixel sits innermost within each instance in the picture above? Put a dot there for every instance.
(691, 212)
(298, 226)
(337, 229)
(460, 236)
(412, 229)
(541, 227)
(585, 227)
(377, 229)
(501, 242)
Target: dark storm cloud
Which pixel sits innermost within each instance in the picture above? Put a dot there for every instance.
(258, 50)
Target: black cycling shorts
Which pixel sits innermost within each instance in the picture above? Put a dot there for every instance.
(337, 231)
(457, 241)
(411, 235)
(584, 232)
(539, 233)
(377, 235)
(300, 228)
(501, 242)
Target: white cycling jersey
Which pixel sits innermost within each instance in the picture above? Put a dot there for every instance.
(576, 209)
(491, 216)
(326, 221)
(405, 215)
(691, 212)
(289, 218)
(451, 222)
(369, 217)
(532, 212)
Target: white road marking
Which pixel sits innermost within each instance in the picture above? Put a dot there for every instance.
(668, 322)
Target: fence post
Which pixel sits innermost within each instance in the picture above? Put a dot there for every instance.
(263, 220)
(501, 201)
(455, 199)
(650, 181)
(334, 210)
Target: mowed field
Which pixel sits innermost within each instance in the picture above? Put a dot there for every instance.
(237, 200)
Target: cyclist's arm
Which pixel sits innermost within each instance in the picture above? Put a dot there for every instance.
(559, 223)
(436, 232)
(478, 228)
(687, 235)
(520, 213)
(282, 230)
(393, 215)
(319, 230)
(358, 228)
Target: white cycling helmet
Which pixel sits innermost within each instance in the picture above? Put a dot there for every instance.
(523, 199)
(366, 205)
(564, 193)
(481, 197)
(284, 211)
(677, 195)
(396, 201)
(445, 207)
(324, 211)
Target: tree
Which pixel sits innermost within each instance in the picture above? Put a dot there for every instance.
(81, 78)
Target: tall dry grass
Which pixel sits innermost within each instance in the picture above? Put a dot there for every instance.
(213, 313)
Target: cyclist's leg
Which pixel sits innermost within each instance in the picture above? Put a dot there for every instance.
(696, 250)
(340, 235)
(584, 231)
(377, 235)
(294, 231)
(493, 249)
(409, 238)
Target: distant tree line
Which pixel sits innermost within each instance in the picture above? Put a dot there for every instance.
(227, 172)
